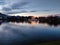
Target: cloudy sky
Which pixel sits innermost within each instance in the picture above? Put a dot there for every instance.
(29, 6)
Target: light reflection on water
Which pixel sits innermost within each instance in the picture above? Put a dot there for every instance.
(23, 33)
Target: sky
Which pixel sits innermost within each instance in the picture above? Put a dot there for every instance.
(30, 6)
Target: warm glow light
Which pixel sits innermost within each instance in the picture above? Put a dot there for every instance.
(28, 14)
(33, 22)
(33, 14)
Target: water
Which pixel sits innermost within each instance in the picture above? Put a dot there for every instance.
(12, 33)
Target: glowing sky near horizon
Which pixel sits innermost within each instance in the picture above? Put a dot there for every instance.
(43, 7)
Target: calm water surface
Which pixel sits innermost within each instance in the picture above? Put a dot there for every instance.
(25, 34)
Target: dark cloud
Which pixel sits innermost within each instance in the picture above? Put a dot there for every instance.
(14, 12)
(6, 9)
(16, 6)
(21, 11)
(19, 5)
(2, 2)
(22, 6)
(33, 11)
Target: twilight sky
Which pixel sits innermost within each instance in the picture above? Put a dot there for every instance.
(29, 6)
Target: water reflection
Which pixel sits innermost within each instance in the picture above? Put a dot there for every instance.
(11, 33)
(32, 22)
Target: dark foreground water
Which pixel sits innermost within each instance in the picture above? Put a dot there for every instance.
(28, 34)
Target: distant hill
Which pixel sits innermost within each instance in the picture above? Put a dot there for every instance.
(2, 15)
